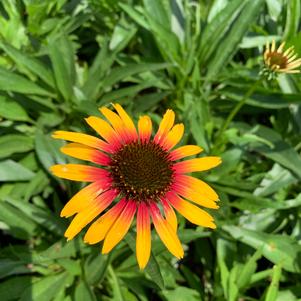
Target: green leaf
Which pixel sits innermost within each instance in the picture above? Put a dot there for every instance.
(95, 268)
(14, 143)
(12, 267)
(47, 150)
(13, 288)
(45, 289)
(215, 31)
(30, 63)
(12, 82)
(229, 44)
(62, 58)
(181, 293)
(10, 109)
(249, 268)
(293, 15)
(84, 292)
(152, 268)
(279, 249)
(13, 171)
(19, 225)
(281, 153)
(272, 291)
(120, 73)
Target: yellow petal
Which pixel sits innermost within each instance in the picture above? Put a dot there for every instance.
(165, 125)
(83, 139)
(116, 122)
(185, 151)
(143, 240)
(173, 137)
(191, 212)
(119, 228)
(145, 128)
(197, 185)
(280, 48)
(89, 213)
(104, 130)
(82, 199)
(166, 232)
(170, 215)
(99, 229)
(78, 172)
(198, 164)
(127, 120)
(83, 152)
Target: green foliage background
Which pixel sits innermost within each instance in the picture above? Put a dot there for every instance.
(60, 60)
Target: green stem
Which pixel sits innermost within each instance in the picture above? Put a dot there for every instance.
(236, 109)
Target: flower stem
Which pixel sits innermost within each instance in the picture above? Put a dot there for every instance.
(236, 109)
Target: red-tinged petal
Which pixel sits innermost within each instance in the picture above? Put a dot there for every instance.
(119, 228)
(117, 124)
(99, 229)
(173, 137)
(78, 172)
(128, 122)
(165, 125)
(105, 131)
(145, 128)
(83, 199)
(196, 185)
(184, 151)
(191, 212)
(89, 213)
(166, 232)
(194, 196)
(87, 153)
(198, 164)
(83, 139)
(170, 215)
(143, 240)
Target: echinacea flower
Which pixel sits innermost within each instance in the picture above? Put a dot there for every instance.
(280, 61)
(134, 173)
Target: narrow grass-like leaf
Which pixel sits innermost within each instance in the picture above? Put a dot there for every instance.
(32, 64)
(12, 82)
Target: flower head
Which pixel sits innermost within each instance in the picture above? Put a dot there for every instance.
(134, 173)
(280, 61)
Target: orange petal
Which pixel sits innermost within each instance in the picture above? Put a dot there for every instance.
(198, 164)
(143, 240)
(166, 232)
(83, 139)
(117, 123)
(104, 130)
(87, 153)
(78, 172)
(119, 228)
(99, 229)
(173, 137)
(185, 151)
(197, 185)
(194, 196)
(191, 212)
(145, 128)
(170, 215)
(82, 199)
(127, 120)
(89, 213)
(165, 125)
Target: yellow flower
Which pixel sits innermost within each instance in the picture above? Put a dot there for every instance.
(135, 173)
(280, 61)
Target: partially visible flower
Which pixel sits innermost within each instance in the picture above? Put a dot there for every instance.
(280, 61)
(137, 174)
